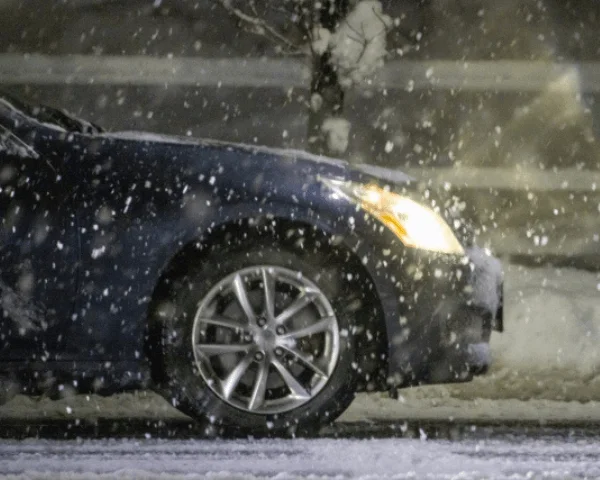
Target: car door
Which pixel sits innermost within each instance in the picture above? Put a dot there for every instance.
(38, 252)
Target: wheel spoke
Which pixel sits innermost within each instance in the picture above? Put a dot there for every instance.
(229, 385)
(224, 322)
(260, 386)
(269, 288)
(212, 349)
(306, 360)
(242, 297)
(321, 326)
(295, 387)
(298, 304)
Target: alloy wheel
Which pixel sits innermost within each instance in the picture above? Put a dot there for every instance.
(265, 339)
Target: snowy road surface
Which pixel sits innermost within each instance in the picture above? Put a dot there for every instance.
(510, 457)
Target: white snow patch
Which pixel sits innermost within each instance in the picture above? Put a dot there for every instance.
(387, 174)
(358, 46)
(6, 105)
(337, 131)
(12, 145)
(98, 252)
(149, 137)
(316, 102)
(487, 269)
(320, 40)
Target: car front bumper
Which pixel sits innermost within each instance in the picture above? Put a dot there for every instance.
(448, 309)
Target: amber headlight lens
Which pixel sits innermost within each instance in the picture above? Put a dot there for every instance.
(414, 224)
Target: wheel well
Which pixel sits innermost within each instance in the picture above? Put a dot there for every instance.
(371, 335)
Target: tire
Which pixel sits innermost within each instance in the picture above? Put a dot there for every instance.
(197, 383)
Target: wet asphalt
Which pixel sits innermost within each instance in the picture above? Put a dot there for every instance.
(181, 429)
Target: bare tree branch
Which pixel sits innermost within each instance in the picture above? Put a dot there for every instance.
(259, 26)
(381, 19)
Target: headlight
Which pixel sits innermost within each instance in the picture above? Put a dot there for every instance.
(414, 224)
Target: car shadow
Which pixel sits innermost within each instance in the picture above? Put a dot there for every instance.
(102, 428)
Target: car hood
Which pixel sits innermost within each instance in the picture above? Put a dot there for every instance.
(361, 172)
(301, 166)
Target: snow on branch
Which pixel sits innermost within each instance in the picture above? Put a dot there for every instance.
(358, 46)
(337, 133)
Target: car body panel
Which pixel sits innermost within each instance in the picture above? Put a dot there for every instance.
(139, 199)
(38, 253)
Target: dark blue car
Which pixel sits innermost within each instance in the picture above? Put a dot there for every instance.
(257, 289)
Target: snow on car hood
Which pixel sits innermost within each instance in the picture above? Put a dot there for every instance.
(386, 174)
(150, 137)
(178, 140)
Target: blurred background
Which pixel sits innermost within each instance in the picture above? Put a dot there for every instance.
(508, 92)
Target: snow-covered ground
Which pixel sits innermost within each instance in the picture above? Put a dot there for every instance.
(546, 366)
(550, 347)
(512, 458)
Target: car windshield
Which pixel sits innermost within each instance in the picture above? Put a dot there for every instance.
(49, 115)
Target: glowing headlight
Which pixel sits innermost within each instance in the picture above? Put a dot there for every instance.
(414, 224)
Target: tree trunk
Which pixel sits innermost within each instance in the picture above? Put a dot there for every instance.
(327, 95)
(327, 101)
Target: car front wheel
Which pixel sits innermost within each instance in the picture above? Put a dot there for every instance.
(261, 339)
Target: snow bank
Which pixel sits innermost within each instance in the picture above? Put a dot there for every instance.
(550, 347)
(546, 366)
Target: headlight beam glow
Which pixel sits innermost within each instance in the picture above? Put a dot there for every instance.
(416, 225)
